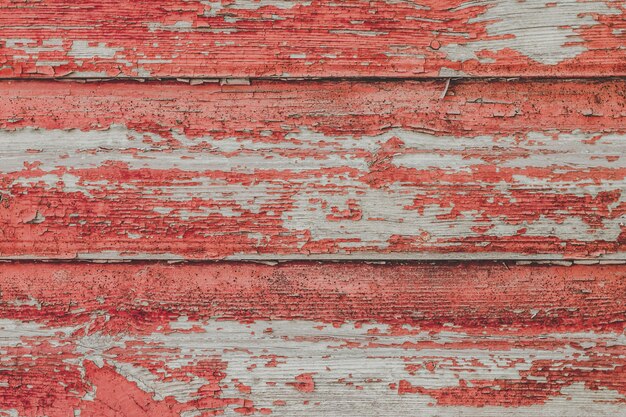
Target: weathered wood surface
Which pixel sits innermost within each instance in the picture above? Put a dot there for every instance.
(358, 170)
(279, 38)
(312, 339)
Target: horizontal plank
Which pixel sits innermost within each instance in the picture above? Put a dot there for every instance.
(303, 38)
(301, 339)
(317, 170)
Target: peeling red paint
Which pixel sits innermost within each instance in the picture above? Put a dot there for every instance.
(111, 339)
(429, 296)
(366, 164)
(313, 169)
(304, 383)
(115, 395)
(240, 38)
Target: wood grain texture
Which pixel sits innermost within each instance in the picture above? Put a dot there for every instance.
(301, 339)
(311, 38)
(281, 170)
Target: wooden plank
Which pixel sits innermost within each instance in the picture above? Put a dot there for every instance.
(312, 339)
(304, 38)
(276, 170)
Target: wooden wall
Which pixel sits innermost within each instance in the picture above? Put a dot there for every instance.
(312, 208)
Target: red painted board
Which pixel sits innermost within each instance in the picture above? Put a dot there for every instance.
(311, 38)
(301, 170)
(301, 339)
